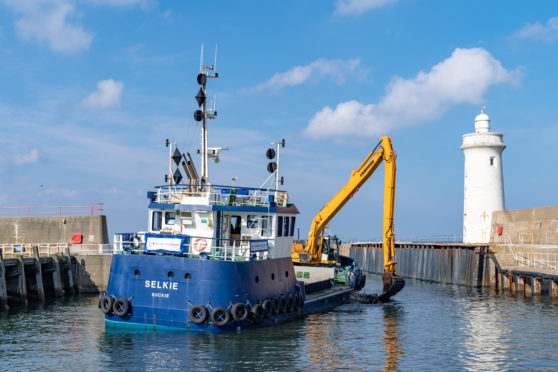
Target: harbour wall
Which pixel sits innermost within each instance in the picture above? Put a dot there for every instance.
(531, 226)
(53, 229)
(93, 272)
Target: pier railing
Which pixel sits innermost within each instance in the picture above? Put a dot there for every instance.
(50, 249)
(59, 210)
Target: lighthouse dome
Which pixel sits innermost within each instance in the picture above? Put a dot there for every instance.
(482, 122)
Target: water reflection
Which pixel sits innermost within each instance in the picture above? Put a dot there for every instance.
(321, 343)
(428, 327)
(393, 348)
(258, 349)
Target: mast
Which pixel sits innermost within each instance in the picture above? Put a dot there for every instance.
(204, 114)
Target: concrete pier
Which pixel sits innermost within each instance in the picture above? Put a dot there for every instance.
(3, 288)
(36, 277)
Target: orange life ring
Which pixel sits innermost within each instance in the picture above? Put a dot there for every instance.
(199, 244)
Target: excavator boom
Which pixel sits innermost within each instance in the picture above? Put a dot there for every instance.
(311, 253)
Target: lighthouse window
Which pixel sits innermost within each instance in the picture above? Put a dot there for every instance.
(286, 227)
(169, 218)
(280, 226)
(492, 160)
(157, 219)
(292, 225)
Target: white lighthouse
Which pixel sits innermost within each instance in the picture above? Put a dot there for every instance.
(484, 180)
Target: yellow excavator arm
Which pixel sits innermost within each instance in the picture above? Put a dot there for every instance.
(311, 253)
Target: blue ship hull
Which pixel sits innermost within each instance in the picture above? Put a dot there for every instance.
(161, 290)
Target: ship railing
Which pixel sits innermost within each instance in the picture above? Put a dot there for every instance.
(219, 249)
(233, 249)
(220, 195)
(15, 250)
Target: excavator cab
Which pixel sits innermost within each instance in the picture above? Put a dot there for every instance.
(330, 249)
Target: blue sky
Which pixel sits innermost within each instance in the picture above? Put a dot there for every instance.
(91, 89)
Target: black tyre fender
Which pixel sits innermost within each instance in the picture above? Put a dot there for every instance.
(239, 312)
(267, 306)
(299, 300)
(257, 313)
(276, 305)
(220, 316)
(103, 293)
(198, 314)
(291, 304)
(121, 306)
(363, 281)
(360, 281)
(106, 304)
(284, 304)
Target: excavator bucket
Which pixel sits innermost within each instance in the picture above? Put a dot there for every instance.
(392, 285)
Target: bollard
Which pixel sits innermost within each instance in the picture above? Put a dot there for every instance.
(38, 275)
(3, 288)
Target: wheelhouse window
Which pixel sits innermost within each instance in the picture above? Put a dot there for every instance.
(169, 218)
(266, 225)
(279, 226)
(286, 227)
(293, 219)
(186, 218)
(252, 222)
(156, 220)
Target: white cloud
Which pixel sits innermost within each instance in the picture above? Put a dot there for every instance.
(12, 154)
(113, 191)
(538, 31)
(462, 78)
(142, 3)
(47, 21)
(60, 192)
(336, 69)
(108, 94)
(344, 7)
(28, 158)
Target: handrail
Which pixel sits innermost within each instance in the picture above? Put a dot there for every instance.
(216, 196)
(217, 187)
(14, 250)
(225, 249)
(91, 208)
(533, 259)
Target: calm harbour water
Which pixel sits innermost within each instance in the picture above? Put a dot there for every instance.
(426, 327)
